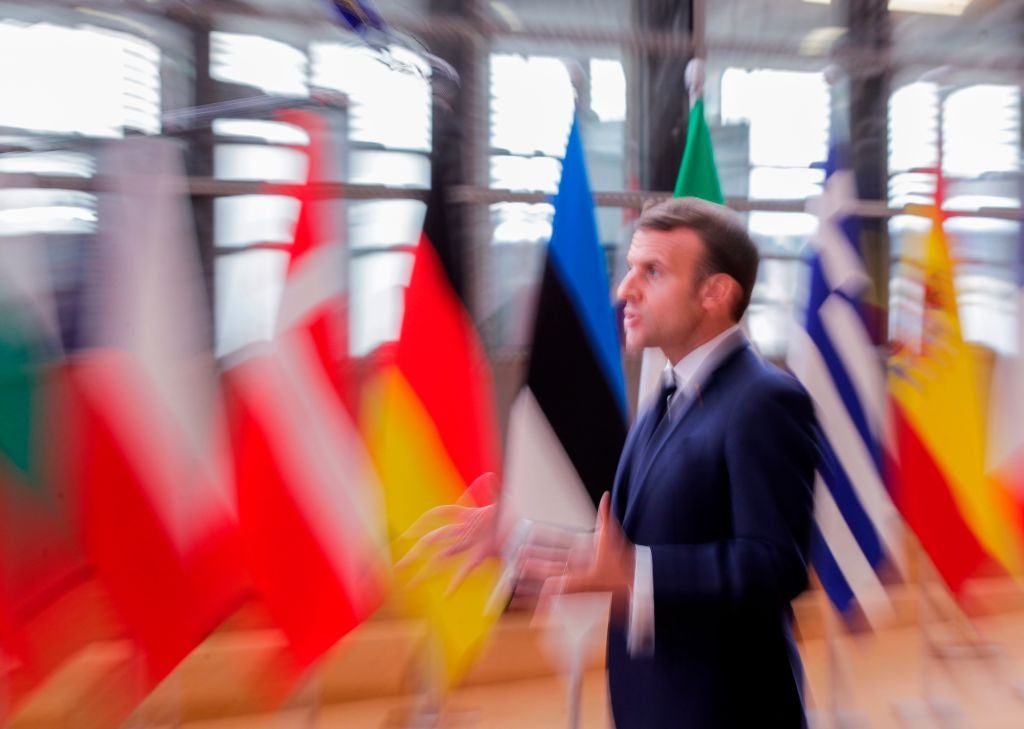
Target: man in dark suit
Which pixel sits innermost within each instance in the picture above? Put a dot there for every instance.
(703, 539)
(713, 494)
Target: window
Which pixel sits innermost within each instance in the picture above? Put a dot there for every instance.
(526, 155)
(389, 144)
(981, 132)
(788, 142)
(383, 137)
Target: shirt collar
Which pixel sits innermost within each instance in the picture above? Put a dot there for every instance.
(689, 365)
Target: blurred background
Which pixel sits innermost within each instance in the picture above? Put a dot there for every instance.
(91, 72)
(782, 78)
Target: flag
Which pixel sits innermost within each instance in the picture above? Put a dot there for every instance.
(959, 514)
(1005, 455)
(430, 425)
(568, 423)
(49, 605)
(359, 15)
(698, 177)
(29, 354)
(156, 514)
(311, 522)
(857, 528)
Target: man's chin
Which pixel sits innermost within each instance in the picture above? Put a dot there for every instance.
(634, 344)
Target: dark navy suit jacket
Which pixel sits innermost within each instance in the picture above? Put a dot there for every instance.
(723, 496)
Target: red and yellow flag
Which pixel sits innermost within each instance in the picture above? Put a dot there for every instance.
(310, 523)
(960, 514)
(430, 426)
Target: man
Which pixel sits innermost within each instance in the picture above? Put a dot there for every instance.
(713, 494)
(714, 488)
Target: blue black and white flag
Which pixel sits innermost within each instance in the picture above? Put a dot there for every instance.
(568, 423)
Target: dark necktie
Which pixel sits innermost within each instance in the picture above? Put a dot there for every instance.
(665, 395)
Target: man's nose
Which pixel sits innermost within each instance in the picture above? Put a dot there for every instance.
(625, 292)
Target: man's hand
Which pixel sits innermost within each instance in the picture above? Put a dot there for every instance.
(612, 567)
(471, 532)
(534, 564)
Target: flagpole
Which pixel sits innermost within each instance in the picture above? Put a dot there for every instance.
(840, 694)
(137, 673)
(836, 684)
(311, 698)
(575, 688)
(929, 707)
(173, 685)
(425, 707)
(571, 623)
(5, 691)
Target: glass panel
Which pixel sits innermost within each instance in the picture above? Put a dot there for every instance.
(269, 65)
(608, 90)
(378, 282)
(246, 219)
(520, 86)
(913, 127)
(267, 131)
(388, 107)
(985, 254)
(249, 287)
(981, 127)
(782, 234)
(31, 211)
(381, 167)
(771, 312)
(784, 159)
(374, 223)
(526, 173)
(259, 162)
(78, 80)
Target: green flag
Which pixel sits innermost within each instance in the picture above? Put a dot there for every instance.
(698, 176)
(20, 390)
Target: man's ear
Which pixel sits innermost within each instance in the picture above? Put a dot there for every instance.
(720, 290)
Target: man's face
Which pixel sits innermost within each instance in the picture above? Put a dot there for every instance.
(661, 291)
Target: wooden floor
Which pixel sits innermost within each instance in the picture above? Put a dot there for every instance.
(879, 679)
(894, 682)
(884, 688)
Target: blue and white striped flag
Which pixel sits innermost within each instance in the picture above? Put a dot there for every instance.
(857, 527)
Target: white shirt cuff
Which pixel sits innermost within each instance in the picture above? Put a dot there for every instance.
(640, 635)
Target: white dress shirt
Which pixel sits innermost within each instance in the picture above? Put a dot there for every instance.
(640, 633)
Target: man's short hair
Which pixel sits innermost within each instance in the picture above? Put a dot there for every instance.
(728, 247)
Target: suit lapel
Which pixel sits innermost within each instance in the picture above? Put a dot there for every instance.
(632, 452)
(648, 450)
(648, 455)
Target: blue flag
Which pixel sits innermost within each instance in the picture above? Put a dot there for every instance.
(358, 15)
(568, 424)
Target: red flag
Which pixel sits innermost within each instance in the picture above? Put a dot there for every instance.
(431, 426)
(957, 512)
(49, 604)
(311, 524)
(157, 515)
